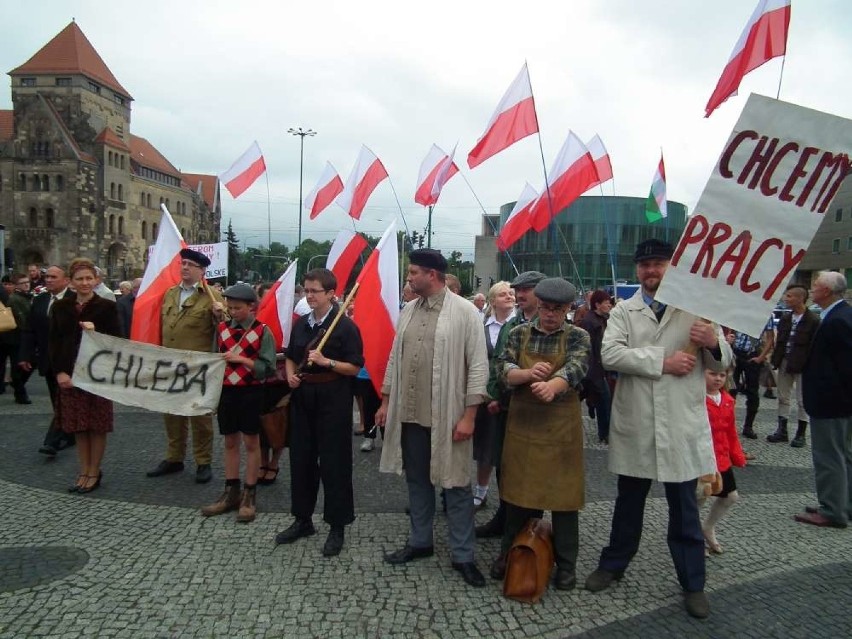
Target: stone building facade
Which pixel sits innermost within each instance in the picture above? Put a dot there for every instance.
(74, 181)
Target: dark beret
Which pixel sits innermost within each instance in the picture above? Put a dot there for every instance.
(653, 249)
(240, 291)
(555, 290)
(428, 258)
(528, 279)
(199, 258)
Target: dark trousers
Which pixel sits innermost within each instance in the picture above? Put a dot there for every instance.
(566, 533)
(747, 379)
(371, 402)
(685, 539)
(321, 449)
(19, 375)
(55, 437)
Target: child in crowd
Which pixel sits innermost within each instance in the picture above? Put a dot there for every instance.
(729, 453)
(249, 351)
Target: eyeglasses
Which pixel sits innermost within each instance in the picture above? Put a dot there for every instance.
(315, 291)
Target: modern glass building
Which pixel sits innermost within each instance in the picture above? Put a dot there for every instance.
(591, 243)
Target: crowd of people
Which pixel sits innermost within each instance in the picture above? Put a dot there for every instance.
(498, 379)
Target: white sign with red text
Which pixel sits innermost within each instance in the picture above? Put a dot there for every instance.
(218, 254)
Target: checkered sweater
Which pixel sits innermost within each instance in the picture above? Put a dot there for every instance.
(245, 342)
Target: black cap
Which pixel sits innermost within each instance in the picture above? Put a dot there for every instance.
(555, 290)
(527, 279)
(428, 258)
(653, 249)
(199, 258)
(240, 291)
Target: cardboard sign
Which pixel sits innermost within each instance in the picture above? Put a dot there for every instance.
(218, 254)
(767, 196)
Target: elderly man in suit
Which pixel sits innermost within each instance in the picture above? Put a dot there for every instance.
(826, 381)
(125, 305)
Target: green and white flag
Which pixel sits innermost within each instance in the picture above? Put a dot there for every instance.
(655, 207)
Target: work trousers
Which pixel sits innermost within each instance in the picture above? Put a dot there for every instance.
(786, 381)
(177, 431)
(831, 449)
(566, 533)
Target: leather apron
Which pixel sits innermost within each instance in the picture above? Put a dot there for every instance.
(542, 465)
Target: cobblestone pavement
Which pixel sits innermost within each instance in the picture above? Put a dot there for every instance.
(135, 559)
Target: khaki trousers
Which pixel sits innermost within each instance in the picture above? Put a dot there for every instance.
(786, 381)
(177, 430)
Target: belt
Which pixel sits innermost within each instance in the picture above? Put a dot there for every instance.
(319, 378)
(746, 353)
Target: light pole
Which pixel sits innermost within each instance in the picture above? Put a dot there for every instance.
(313, 257)
(301, 133)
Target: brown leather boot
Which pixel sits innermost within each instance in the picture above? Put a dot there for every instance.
(228, 500)
(247, 507)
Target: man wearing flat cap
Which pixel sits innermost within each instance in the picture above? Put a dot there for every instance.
(189, 319)
(435, 379)
(659, 428)
(542, 468)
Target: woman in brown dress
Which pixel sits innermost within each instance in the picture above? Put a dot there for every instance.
(88, 416)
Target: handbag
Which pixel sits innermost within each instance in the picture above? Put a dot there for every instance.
(275, 424)
(7, 319)
(529, 562)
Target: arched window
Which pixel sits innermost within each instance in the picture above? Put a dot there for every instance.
(154, 231)
(121, 193)
(161, 200)
(183, 232)
(33, 217)
(23, 179)
(48, 218)
(109, 158)
(112, 190)
(144, 230)
(148, 198)
(121, 157)
(45, 183)
(121, 225)
(141, 199)
(60, 183)
(111, 227)
(168, 206)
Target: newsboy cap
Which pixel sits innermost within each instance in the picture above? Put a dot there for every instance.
(555, 290)
(527, 279)
(428, 258)
(240, 291)
(199, 258)
(653, 249)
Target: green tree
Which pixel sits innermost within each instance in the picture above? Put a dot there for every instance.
(235, 256)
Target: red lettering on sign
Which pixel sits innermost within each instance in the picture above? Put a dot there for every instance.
(745, 284)
(725, 160)
(690, 235)
(736, 254)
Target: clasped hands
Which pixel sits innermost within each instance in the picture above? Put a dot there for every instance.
(681, 363)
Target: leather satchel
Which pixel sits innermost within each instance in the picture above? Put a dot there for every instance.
(7, 319)
(275, 424)
(529, 562)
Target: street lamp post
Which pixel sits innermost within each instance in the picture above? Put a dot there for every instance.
(301, 133)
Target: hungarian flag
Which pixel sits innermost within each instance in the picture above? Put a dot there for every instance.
(161, 273)
(514, 119)
(436, 170)
(365, 177)
(655, 206)
(573, 173)
(377, 305)
(244, 171)
(600, 156)
(344, 253)
(276, 308)
(518, 221)
(764, 38)
(327, 189)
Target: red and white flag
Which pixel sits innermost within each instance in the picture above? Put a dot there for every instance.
(324, 193)
(435, 171)
(377, 305)
(365, 177)
(162, 272)
(573, 173)
(519, 221)
(344, 253)
(276, 307)
(244, 171)
(600, 156)
(764, 38)
(513, 120)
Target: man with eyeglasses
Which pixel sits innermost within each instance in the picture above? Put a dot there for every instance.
(189, 319)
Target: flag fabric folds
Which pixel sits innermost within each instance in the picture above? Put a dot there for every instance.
(377, 305)
(656, 206)
(276, 307)
(161, 273)
(764, 38)
(324, 193)
(367, 174)
(344, 253)
(514, 119)
(244, 171)
(436, 170)
(600, 156)
(519, 221)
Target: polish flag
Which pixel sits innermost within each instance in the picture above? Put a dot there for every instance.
(377, 307)
(600, 156)
(344, 253)
(244, 171)
(162, 272)
(436, 170)
(365, 177)
(514, 119)
(519, 221)
(764, 38)
(276, 308)
(327, 189)
(573, 173)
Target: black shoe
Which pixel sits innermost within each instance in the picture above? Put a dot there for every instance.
(203, 474)
(601, 579)
(498, 568)
(50, 451)
(408, 553)
(697, 605)
(492, 528)
(298, 529)
(749, 433)
(470, 573)
(22, 399)
(333, 543)
(565, 579)
(165, 468)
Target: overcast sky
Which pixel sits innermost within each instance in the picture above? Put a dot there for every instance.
(208, 78)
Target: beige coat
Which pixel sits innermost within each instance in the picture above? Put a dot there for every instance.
(659, 427)
(459, 377)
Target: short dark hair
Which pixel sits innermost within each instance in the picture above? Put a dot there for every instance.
(804, 288)
(322, 275)
(598, 297)
(17, 277)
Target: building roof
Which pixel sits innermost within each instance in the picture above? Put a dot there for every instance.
(144, 153)
(7, 124)
(109, 138)
(71, 52)
(66, 134)
(208, 184)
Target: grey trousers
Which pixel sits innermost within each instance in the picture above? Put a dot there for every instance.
(416, 459)
(831, 448)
